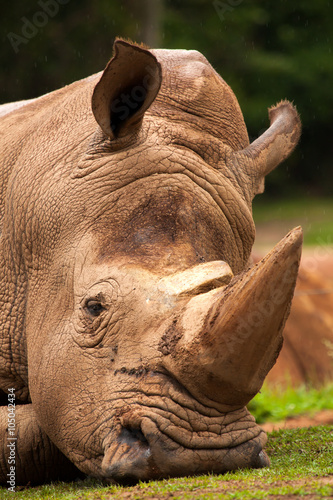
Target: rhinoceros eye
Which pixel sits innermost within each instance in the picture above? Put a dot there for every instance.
(98, 300)
(94, 307)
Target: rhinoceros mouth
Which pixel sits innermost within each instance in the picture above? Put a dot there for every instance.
(153, 453)
(168, 436)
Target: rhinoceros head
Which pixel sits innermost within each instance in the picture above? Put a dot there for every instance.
(154, 331)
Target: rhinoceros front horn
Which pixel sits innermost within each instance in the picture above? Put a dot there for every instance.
(231, 336)
(128, 86)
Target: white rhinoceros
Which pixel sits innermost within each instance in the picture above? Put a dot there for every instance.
(133, 329)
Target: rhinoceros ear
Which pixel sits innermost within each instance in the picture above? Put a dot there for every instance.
(272, 147)
(128, 86)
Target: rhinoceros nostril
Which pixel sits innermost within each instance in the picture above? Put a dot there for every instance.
(128, 459)
(131, 435)
(262, 460)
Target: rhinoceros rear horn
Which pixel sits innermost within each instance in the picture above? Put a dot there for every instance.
(128, 86)
(272, 147)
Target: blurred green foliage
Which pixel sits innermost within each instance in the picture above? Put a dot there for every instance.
(274, 404)
(266, 51)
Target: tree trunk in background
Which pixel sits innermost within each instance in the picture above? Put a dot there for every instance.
(147, 15)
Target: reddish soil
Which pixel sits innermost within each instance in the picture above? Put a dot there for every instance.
(324, 417)
(232, 489)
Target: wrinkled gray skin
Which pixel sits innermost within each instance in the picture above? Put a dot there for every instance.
(129, 330)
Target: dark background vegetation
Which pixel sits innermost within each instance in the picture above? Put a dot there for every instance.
(266, 51)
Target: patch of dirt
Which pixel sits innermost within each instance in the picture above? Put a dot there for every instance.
(170, 339)
(324, 417)
(319, 259)
(227, 489)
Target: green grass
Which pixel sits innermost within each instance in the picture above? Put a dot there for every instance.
(301, 464)
(278, 403)
(315, 215)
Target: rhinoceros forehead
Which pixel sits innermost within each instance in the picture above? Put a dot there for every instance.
(190, 85)
(171, 58)
(171, 221)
